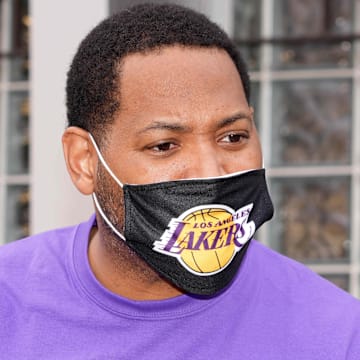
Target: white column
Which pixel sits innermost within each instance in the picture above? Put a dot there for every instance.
(56, 30)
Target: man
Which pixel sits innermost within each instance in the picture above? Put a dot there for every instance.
(162, 136)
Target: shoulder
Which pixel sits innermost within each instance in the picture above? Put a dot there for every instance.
(293, 279)
(22, 251)
(302, 306)
(25, 263)
(302, 295)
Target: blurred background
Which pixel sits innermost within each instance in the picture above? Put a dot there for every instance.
(304, 59)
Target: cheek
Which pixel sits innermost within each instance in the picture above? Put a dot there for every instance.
(110, 196)
(141, 172)
(257, 157)
(255, 152)
(166, 171)
(252, 159)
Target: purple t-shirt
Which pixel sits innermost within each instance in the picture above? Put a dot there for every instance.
(52, 307)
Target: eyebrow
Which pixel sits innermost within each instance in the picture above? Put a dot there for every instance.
(177, 127)
(232, 119)
(165, 125)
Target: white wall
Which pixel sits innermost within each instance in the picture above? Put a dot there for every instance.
(57, 28)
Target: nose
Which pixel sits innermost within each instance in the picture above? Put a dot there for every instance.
(204, 161)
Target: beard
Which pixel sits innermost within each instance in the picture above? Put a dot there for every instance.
(125, 260)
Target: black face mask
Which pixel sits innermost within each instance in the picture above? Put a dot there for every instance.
(194, 232)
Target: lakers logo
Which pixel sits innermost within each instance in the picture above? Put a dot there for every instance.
(205, 239)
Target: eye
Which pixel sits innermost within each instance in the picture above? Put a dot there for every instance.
(163, 147)
(234, 138)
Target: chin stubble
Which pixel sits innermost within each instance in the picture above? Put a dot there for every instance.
(125, 260)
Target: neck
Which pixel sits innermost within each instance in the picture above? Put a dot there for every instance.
(122, 272)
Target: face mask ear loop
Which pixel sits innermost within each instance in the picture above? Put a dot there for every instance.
(97, 204)
(103, 162)
(106, 219)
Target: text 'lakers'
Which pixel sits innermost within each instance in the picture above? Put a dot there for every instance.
(206, 238)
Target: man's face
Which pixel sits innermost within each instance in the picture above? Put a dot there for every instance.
(183, 114)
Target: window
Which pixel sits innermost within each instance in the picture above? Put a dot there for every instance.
(304, 62)
(14, 120)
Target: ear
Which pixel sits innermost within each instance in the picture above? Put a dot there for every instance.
(81, 160)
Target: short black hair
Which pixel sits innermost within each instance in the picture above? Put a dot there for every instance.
(92, 90)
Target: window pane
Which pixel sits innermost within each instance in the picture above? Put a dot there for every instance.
(19, 65)
(313, 18)
(308, 18)
(17, 212)
(313, 55)
(251, 55)
(19, 69)
(247, 19)
(311, 122)
(342, 281)
(18, 134)
(312, 219)
(254, 101)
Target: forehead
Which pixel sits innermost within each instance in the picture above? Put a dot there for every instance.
(183, 82)
(174, 71)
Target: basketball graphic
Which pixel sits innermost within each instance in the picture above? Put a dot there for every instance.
(205, 238)
(207, 260)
